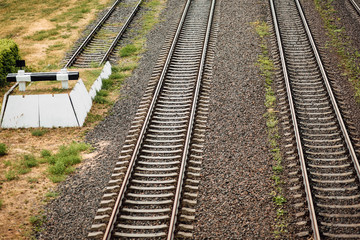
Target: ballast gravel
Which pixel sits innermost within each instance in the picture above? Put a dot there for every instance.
(234, 197)
(71, 214)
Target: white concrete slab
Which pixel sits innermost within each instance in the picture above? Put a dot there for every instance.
(56, 111)
(97, 84)
(21, 112)
(80, 87)
(92, 92)
(107, 69)
(79, 105)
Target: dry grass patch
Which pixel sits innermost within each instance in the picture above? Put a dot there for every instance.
(54, 26)
(23, 197)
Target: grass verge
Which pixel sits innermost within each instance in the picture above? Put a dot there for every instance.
(30, 187)
(349, 58)
(267, 71)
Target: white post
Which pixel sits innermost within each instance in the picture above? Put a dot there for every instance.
(21, 78)
(63, 76)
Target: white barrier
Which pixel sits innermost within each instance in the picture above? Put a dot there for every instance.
(58, 110)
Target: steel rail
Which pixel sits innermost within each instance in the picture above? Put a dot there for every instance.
(91, 34)
(119, 35)
(185, 154)
(126, 179)
(306, 181)
(355, 5)
(331, 94)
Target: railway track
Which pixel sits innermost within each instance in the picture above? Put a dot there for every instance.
(160, 158)
(329, 165)
(355, 5)
(101, 41)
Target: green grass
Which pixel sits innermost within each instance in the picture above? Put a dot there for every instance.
(57, 46)
(50, 195)
(349, 58)
(7, 163)
(45, 153)
(90, 76)
(267, 68)
(30, 161)
(32, 180)
(11, 175)
(1, 203)
(61, 164)
(3, 149)
(100, 100)
(37, 222)
(38, 132)
(91, 118)
(44, 34)
(128, 50)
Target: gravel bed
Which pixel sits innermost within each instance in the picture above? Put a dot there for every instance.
(71, 214)
(351, 21)
(234, 199)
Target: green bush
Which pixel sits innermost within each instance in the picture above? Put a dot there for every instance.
(128, 50)
(45, 153)
(38, 132)
(9, 53)
(61, 163)
(30, 161)
(3, 149)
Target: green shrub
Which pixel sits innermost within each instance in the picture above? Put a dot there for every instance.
(11, 175)
(9, 53)
(58, 168)
(128, 50)
(38, 132)
(45, 153)
(106, 84)
(30, 161)
(37, 221)
(62, 162)
(23, 170)
(3, 149)
(100, 100)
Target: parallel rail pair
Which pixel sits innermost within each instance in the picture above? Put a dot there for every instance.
(145, 195)
(329, 165)
(103, 48)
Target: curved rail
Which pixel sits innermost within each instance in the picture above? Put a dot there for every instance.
(98, 26)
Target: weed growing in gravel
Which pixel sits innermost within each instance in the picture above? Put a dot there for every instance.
(266, 70)
(37, 222)
(45, 153)
(1, 203)
(32, 180)
(30, 161)
(349, 58)
(128, 50)
(11, 175)
(38, 132)
(90, 118)
(62, 162)
(100, 97)
(3, 149)
(50, 195)
(7, 163)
